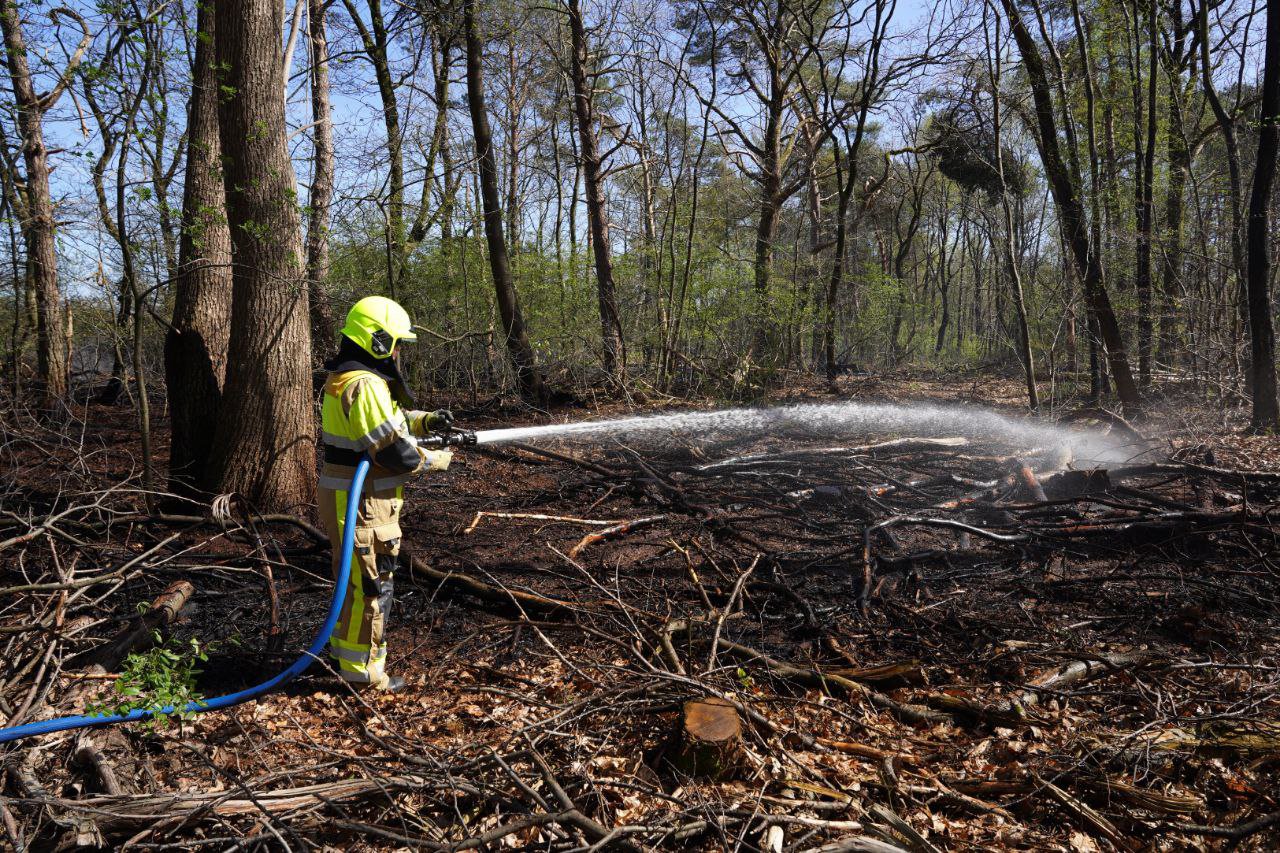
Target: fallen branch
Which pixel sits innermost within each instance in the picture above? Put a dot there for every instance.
(534, 516)
(1089, 817)
(1236, 833)
(115, 812)
(856, 844)
(816, 678)
(616, 530)
(509, 598)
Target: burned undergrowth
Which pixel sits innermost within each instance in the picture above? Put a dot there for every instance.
(926, 642)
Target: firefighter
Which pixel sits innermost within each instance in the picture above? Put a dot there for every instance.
(367, 410)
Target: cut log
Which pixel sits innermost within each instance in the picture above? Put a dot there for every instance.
(102, 660)
(162, 612)
(710, 739)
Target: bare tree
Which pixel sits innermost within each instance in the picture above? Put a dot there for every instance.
(39, 227)
(844, 106)
(767, 45)
(119, 137)
(584, 74)
(1226, 121)
(322, 169)
(995, 69)
(1070, 209)
(517, 337)
(377, 49)
(376, 38)
(264, 447)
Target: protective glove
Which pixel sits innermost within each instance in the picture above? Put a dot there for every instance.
(439, 419)
(435, 460)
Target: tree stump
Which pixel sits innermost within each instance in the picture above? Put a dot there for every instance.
(1067, 485)
(710, 739)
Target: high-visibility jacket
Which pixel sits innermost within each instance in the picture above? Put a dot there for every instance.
(360, 417)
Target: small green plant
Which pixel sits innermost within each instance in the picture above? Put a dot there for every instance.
(745, 680)
(163, 677)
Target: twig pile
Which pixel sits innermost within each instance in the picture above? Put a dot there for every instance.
(930, 644)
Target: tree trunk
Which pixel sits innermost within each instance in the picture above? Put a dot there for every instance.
(515, 107)
(1071, 211)
(1227, 127)
(766, 231)
(264, 448)
(1262, 339)
(844, 181)
(996, 69)
(1171, 264)
(517, 338)
(52, 356)
(195, 348)
(1145, 204)
(597, 213)
(770, 178)
(321, 193)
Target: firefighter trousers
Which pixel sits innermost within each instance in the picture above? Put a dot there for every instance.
(358, 642)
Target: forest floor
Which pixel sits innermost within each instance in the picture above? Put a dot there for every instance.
(926, 644)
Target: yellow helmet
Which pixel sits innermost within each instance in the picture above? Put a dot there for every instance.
(377, 324)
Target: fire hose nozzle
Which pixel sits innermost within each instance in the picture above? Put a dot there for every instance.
(448, 438)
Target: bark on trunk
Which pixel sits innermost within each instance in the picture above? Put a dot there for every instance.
(1171, 257)
(321, 194)
(1262, 339)
(845, 182)
(597, 213)
(1145, 206)
(517, 338)
(766, 232)
(770, 178)
(195, 348)
(265, 443)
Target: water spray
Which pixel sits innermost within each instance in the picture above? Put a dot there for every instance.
(834, 421)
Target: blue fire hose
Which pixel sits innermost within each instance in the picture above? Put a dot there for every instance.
(44, 727)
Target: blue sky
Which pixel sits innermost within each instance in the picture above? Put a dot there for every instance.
(358, 129)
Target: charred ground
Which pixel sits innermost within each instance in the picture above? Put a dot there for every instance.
(936, 646)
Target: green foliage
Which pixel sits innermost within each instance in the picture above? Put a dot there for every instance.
(161, 680)
(257, 230)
